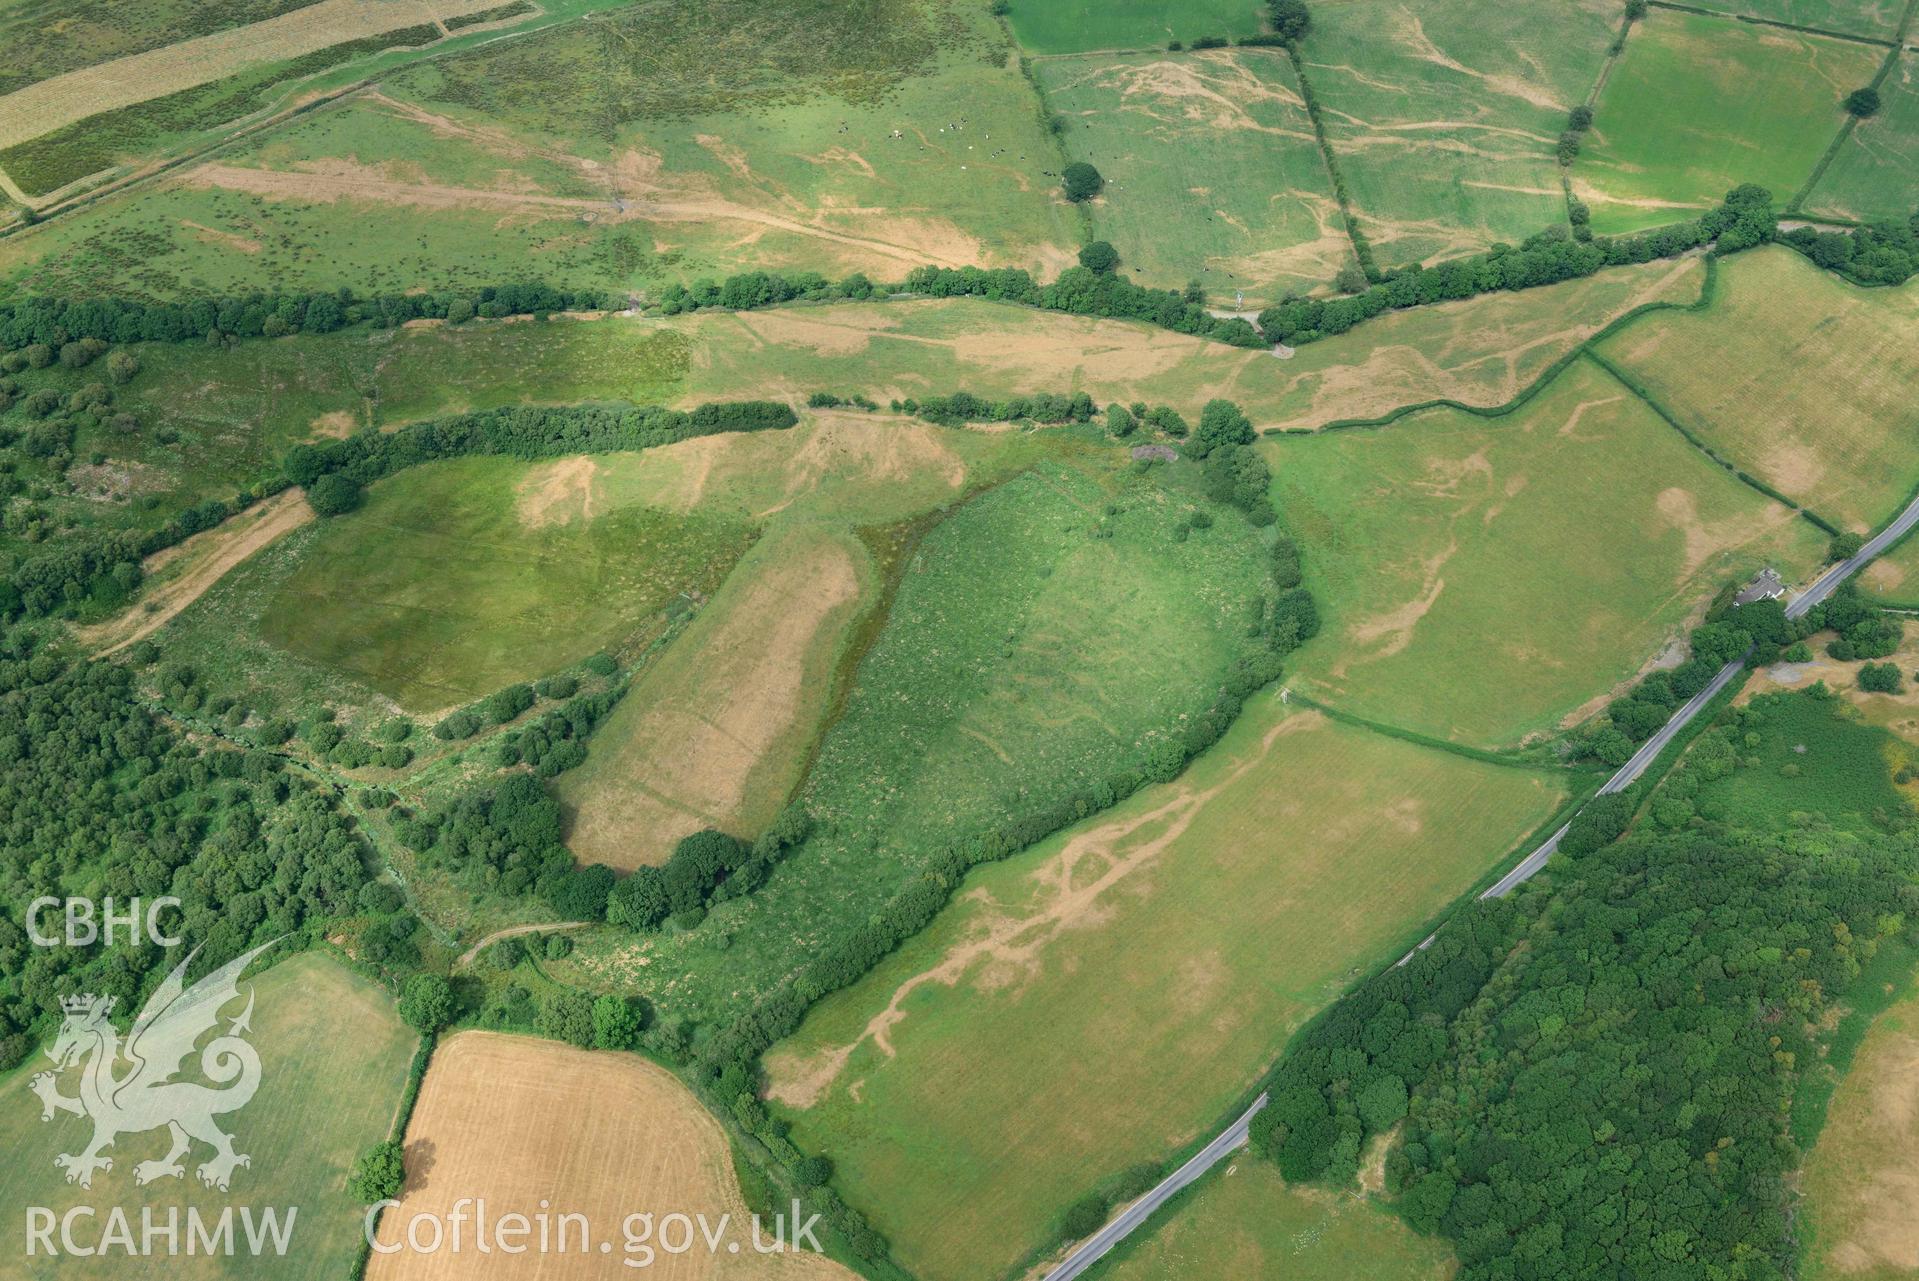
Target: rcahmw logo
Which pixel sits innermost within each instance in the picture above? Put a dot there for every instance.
(133, 1087)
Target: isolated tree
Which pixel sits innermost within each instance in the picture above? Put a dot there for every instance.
(122, 366)
(1081, 181)
(616, 1022)
(1580, 119)
(379, 1173)
(1291, 19)
(1099, 257)
(334, 494)
(426, 1002)
(1863, 102)
(1636, 10)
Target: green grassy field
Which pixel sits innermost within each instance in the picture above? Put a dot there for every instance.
(1076, 26)
(1444, 115)
(1105, 997)
(1212, 170)
(1024, 659)
(1248, 1222)
(1876, 19)
(604, 154)
(1698, 105)
(1483, 579)
(455, 579)
(1870, 178)
(317, 1107)
(1816, 403)
(872, 136)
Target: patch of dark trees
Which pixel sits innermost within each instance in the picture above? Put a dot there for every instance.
(1885, 253)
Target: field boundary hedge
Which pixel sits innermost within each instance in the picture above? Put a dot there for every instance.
(1896, 49)
(1362, 248)
(1633, 385)
(1756, 21)
(1707, 292)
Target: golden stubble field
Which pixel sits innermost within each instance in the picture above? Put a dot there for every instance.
(533, 1126)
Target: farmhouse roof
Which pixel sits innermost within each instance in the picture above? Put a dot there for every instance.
(1765, 586)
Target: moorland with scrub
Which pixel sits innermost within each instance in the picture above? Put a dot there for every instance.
(801, 575)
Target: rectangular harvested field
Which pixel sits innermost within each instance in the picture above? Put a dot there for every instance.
(1483, 579)
(1212, 170)
(1796, 377)
(568, 1131)
(40, 39)
(52, 104)
(1105, 997)
(333, 1063)
(1075, 26)
(1871, 177)
(1246, 1222)
(1444, 115)
(1698, 105)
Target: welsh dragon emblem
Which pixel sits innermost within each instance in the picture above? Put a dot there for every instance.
(144, 1096)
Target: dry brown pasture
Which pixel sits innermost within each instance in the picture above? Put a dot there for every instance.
(537, 1127)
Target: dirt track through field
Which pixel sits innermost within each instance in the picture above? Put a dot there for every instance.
(569, 1131)
(210, 555)
(52, 104)
(342, 180)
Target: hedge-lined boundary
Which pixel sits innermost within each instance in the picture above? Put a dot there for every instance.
(1895, 49)
(1752, 20)
(1707, 292)
(1362, 248)
(105, 568)
(1633, 385)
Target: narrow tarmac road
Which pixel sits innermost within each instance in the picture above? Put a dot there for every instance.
(1095, 1247)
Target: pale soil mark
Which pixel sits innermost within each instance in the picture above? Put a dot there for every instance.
(209, 556)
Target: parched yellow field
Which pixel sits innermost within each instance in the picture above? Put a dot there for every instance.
(1106, 996)
(1862, 1179)
(1246, 1222)
(1797, 377)
(52, 104)
(1480, 579)
(560, 1130)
